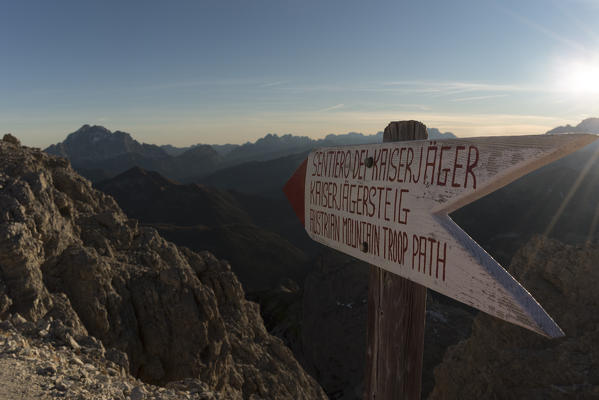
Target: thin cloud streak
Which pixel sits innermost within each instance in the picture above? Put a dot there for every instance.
(408, 87)
(335, 107)
(416, 87)
(453, 87)
(271, 84)
(478, 98)
(258, 83)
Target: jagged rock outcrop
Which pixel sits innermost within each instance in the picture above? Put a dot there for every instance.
(68, 251)
(503, 361)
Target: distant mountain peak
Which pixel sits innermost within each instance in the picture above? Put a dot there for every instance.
(199, 150)
(140, 175)
(86, 127)
(99, 143)
(588, 125)
(91, 131)
(434, 133)
(135, 171)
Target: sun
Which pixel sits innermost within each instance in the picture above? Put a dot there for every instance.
(579, 77)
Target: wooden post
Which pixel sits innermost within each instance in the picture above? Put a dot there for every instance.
(396, 316)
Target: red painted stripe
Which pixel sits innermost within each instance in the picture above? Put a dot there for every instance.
(295, 191)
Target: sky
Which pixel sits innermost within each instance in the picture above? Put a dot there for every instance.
(186, 72)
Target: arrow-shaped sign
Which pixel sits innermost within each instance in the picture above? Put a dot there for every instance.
(388, 204)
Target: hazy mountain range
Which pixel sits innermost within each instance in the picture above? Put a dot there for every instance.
(272, 145)
(97, 153)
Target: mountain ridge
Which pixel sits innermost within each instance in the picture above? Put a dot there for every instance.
(97, 153)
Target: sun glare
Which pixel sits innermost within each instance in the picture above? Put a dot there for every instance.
(579, 77)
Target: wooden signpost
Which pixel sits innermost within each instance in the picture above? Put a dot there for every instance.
(388, 204)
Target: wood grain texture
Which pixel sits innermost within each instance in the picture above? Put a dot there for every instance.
(396, 316)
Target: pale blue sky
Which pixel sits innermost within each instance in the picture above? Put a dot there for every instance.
(184, 72)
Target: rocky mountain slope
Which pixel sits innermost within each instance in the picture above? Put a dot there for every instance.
(68, 253)
(261, 178)
(259, 258)
(502, 361)
(207, 218)
(152, 198)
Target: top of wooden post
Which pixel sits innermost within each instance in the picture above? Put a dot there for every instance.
(405, 130)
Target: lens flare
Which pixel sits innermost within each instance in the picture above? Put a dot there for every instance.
(579, 77)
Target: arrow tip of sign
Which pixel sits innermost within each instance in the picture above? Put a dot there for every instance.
(294, 190)
(558, 333)
(547, 326)
(519, 306)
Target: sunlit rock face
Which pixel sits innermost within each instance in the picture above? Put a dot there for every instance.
(504, 361)
(68, 251)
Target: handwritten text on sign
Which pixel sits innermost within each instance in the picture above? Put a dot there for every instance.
(387, 204)
(346, 185)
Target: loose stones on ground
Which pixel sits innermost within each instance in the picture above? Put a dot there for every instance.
(42, 366)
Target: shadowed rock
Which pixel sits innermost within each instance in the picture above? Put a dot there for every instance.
(68, 251)
(504, 361)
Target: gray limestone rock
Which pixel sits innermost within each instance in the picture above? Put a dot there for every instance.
(67, 252)
(8, 138)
